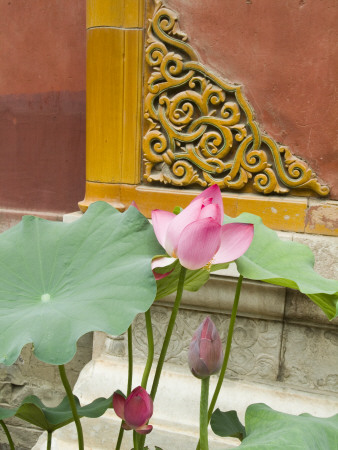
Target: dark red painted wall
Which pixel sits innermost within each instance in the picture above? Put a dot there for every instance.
(42, 104)
(284, 53)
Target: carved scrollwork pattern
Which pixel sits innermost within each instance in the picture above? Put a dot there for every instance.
(256, 344)
(201, 130)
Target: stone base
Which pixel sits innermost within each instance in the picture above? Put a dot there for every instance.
(176, 411)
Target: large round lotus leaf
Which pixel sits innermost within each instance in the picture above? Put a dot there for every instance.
(285, 263)
(268, 429)
(59, 281)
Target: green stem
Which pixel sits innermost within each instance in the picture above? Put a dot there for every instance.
(120, 437)
(72, 403)
(8, 434)
(130, 360)
(204, 414)
(227, 351)
(169, 332)
(227, 347)
(49, 440)
(150, 350)
(140, 440)
(129, 382)
(135, 440)
(166, 341)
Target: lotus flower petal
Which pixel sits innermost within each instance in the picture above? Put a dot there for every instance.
(212, 211)
(161, 220)
(214, 193)
(196, 235)
(198, 243)
(210, 351)
(235, 240)
(161, 262)
(145, 429)
(177, 225)
(138, 408)
(196, 364)
(205, 354)
(134, 204)
(119, 404)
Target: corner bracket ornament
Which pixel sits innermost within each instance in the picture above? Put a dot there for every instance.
(201, 130)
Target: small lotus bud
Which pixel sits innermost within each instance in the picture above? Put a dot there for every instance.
(205, 355)
(135, 410)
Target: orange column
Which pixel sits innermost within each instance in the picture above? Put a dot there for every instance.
(115, 37)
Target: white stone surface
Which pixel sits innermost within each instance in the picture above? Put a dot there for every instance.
(175, 418)
(71, 217)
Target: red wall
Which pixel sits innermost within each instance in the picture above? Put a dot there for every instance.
(42, 104)
(284, 53)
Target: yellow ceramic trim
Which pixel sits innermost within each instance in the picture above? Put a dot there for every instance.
(279, 213)
(200, 128)
(114, 131)
(115, 13)
(114, 90)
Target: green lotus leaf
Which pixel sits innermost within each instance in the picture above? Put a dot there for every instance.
(268, 429)
(6, 413)
(32, 410)
(227, 424)
(194, 279)
(59, 281)
(285, 263)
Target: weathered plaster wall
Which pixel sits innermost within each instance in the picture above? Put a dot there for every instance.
(42, 105)
(29, 376)
(42, 154)
(284, 53)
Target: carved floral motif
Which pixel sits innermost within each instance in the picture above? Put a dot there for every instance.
(262, 350)
(255, 350)
(201, 130)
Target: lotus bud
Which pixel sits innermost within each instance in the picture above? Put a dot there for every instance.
(205, 355)
(135, 410)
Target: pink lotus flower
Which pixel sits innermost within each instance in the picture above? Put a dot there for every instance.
(197, 237)
(205, 354)
(135, 410)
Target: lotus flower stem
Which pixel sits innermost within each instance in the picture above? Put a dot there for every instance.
(135, 441)
(149, 362)
(204, 413)
(166, 341)
(227, 347)
(130, 360)
(150, 350)
(119, 439)
(168, 334)
(71, 399)
(49, 440)
(8, 434)
(129, 382)
(227, 351)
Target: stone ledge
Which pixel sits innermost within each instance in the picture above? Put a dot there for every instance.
(258, 300)
(176, 411)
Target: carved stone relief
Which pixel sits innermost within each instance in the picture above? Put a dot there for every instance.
(299, 356)
(310, 358)
(201, 130)
(255, 350)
